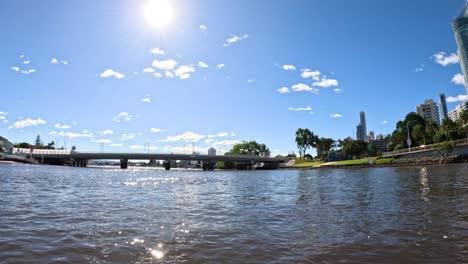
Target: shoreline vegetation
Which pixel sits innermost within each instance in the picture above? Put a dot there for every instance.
(377, 162)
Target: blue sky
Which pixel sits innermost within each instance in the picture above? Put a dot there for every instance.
(73, 71)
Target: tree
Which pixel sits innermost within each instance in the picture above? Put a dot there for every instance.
(419, 134)
(251, 148)
(355, 148)
(51, 145)
(305, 139)
(39, 141)
(23, 145)
(324, 145)
(73, 149)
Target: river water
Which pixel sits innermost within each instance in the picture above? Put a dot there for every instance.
(106, 215)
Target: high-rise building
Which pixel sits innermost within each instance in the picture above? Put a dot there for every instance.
(380, 136)
(361, 133)
(443, 106)
(429, 111)
(460, 26)
(371, 136)
(454, 115)
(212, 152)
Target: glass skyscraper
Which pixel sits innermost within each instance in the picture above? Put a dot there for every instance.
(460, 26)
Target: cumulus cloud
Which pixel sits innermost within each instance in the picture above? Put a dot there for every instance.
(186, 137)
(289, 67)
(226, 143)
(106, 132)
(116, 145)
(458, 79)
(325, 83)
(111, 73)
(203, 28)
(222, 134)
(157, 51)
(16, 69)
(155, 130)
(308, 108)
(84, 134)
(103, 141)
(143, 147)
(148, 70)
(60, 126)
(220, 66)
(201, 64)
(184, 72)
(384, 122)
(26, 62)
(300, 87)
(123, 116)
(336, 116)
(233, 39)
(420, 68)
(128, 136)
(283, 90)
(165, 64)
(146, 100)
(27, 123)
(54, 61)
(445, 59)
(307, 73)
(459, 98)
(169, 74)
(337, 90)
(157, 75)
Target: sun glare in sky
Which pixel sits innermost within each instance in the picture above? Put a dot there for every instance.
(158, 12)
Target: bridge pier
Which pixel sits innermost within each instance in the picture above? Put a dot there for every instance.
(208, 166)
(124, 164)
(167, 165)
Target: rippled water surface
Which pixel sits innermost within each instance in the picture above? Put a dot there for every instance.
(96, 215)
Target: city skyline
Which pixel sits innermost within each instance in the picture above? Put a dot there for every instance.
(113, 79)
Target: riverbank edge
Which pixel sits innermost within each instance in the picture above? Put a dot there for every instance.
(408, 162)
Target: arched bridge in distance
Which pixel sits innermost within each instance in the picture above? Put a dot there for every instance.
(81, 159)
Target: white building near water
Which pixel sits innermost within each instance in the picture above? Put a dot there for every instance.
(429, 111)
(454, 115)
(212, 152)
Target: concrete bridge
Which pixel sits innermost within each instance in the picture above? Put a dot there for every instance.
(460, 148)
(81, 159)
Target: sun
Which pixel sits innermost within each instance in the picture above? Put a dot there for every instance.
(158, 12)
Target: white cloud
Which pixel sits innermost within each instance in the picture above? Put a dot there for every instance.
(106, 132)
(165, 64)
(307, 73)
(459, 98)
(116, 145)
(26, 62)
(28, 71)
(155, 130)
(54, 61)
(445, 59)
(128, 136)
(458, 79)
(172, 149)
(336, 116)
(169, 74)
(300, 87)
(157, 75)
(203, 28)
(201, 64)
(233, 39)
(308, 108)
(420, 68)
(157, 51)
(283, 90)
(289, 67)
(103, 141)
(16, 69)
(84, 134)
(148, 70)
(111, 73)
(186, 137)
(27, 123)
(337, 90)
(325, 83)
(384, 122)
(143, 147)
(222, 134)
(183, 72)
(220, 66)
(146, 100)
(59, 126)
(123, 116)
(226, 143)
(64, 62)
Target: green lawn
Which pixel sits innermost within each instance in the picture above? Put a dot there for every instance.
(301, 163)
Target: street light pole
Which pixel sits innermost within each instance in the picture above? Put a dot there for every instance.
(409, 138)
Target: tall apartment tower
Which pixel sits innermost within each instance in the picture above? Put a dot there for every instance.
(429, 111)
(361, 133)
(443, 106)
(460, 26)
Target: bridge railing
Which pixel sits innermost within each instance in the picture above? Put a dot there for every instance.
(460, 142)
(24, 151)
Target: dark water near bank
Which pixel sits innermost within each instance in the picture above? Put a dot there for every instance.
(388, 215)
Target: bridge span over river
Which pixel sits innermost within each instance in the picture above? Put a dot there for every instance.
(81, 159)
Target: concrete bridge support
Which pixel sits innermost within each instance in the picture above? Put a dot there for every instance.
(167, 165)
(80, 163)
(124, 164)
(208, 166)
(244, 166)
